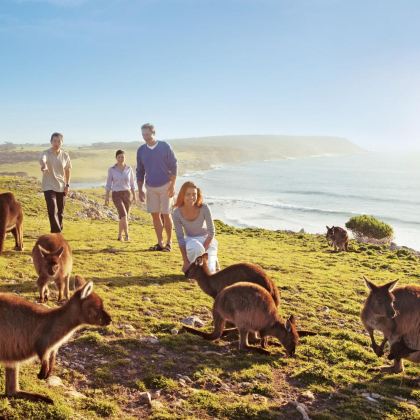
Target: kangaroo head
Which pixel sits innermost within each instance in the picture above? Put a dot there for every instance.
(52, 259)
(381, 299)
(330, 232)
(288, 335)
(196, 267)
(92, 310)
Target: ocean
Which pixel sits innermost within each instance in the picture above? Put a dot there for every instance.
(310, 193)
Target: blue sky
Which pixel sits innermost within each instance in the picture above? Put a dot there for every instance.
(97, 69)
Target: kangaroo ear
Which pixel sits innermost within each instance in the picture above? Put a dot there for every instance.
(205, 256)
(79, 281)
(304, 333)
(390, 285)
(327, 228)
(369, 284)
(86, 290)
(199, 261)
(58, 252)
(291, 321)
(43, 251)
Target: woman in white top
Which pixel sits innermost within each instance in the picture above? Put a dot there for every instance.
(120, 181)
(194, 227)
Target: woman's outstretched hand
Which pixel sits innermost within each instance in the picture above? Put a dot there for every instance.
(185, 267)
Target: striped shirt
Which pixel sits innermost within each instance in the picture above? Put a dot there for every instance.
(120, 180)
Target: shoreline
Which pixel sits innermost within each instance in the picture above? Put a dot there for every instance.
(255, 214)
(392, 245)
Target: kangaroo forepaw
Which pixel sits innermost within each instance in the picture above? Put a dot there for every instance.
(43, 374)
(379, 351)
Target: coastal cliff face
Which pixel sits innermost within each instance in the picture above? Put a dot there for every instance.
(105, 372)
(90, 163)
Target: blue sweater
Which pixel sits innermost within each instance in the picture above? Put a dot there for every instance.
(156, 165)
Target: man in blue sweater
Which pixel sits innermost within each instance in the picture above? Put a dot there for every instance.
(157, 169)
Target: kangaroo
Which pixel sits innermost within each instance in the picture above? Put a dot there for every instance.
(11, 220)
(53, 262)
(212, 284)
(338, 237)
(396, 313)
(378, 313)
(28, 330)
(252, 309)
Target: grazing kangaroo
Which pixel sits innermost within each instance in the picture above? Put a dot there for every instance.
(396, 313)
(28, 330)
(53, 262)
(252, 309)
(338, 237)
(212, 284)
(11, 220)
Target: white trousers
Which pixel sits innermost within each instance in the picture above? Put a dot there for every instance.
(195, 249)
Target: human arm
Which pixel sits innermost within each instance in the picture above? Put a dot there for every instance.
(43, 162)
(210, 226)
(179, 231)
(132, 186)
(140, 172)
(186, 263)
(173, 169)
(171, 187)
(108, 186)
(67, 176)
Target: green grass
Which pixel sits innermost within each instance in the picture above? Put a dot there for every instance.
(112, 366)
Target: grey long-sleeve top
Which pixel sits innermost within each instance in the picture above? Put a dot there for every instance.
(202, 225)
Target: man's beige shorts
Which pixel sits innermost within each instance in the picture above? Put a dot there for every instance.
(157, 200)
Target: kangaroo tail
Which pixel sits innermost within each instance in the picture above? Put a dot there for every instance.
(207, 336)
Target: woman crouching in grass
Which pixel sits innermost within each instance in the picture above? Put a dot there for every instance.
(120, 181)
(194, 227)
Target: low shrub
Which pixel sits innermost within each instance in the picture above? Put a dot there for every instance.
(369, 226)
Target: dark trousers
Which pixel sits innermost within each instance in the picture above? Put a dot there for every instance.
(55, 206)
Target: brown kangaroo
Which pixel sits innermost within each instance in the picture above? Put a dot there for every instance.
(252, 309)
(53, 261)
(338, 237)
(11, 220)
(28, 330)
(396, 313)
(212, 284)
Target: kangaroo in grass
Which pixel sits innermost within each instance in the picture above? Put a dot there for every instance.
(338, 237)
(28, 330)
(53, 261)
(11, 220)
(396, 313)
(252, 309)
(212, 284)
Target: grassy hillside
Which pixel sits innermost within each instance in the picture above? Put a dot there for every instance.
(90, 163)
(147, 296)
